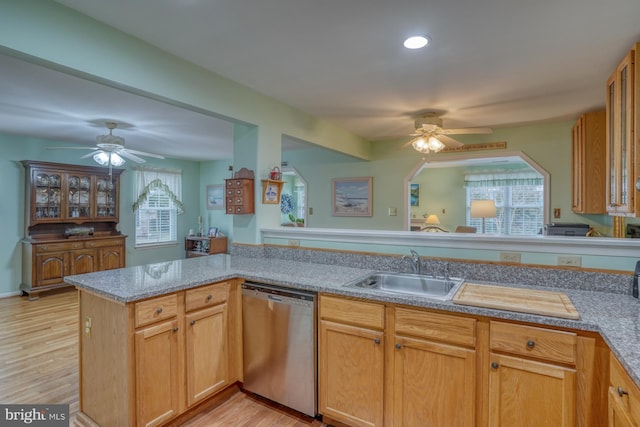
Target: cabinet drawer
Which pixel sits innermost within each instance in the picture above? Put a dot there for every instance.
(207, 296)
(441, 327)
(547, 344)
(104, 243)
(156, 309)
(55, 247)
(359, 313)
(621, 384)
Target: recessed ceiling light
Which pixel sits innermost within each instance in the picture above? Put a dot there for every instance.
(416, 42)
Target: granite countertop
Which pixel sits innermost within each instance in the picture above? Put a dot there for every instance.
(615, 316)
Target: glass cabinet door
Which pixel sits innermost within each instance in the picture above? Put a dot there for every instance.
(79, 201)
(620, 193)
(106, 200)
(48, 195)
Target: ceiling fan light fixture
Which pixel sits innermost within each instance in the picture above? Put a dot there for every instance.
(105, 159)
(435, 144)
(416, 42)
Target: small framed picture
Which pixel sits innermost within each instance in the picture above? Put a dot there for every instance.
(213, 231)
(215, 198)
(414, 192)
(352, 196)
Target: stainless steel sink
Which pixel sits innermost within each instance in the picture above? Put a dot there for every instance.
(410, 284)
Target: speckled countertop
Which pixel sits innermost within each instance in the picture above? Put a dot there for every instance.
(615, 316)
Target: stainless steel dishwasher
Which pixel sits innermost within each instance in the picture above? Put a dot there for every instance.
(279, 340)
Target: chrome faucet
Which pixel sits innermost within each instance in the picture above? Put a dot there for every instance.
(414, 259)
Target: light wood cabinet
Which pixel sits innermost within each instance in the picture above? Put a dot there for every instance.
(529, 385)
(169, 354)
(588, 164)
(624, 397)
(351, 371)
(157, 373)
(434, 382)
(623, 137)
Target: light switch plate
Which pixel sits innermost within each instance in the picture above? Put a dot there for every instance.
(570, 260)
(514, 257)
(393, 211)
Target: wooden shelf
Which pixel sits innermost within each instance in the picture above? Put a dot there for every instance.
(196, 246)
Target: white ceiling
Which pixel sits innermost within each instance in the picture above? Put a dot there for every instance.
(491, 63)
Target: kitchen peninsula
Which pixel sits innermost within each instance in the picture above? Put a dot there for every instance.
(140, 338)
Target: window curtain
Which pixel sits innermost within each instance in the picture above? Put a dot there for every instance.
(168, 180)
(503, 179)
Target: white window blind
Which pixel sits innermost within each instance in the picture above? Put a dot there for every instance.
(519, 199)
(157, 206)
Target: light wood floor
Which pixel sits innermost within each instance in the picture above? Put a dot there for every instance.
(39, 364)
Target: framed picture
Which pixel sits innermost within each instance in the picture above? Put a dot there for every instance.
(213, 231)
(414, 194)
(215, 196)
(352, 196)
(271, 191)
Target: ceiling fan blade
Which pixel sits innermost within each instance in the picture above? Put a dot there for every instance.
(127, 154)
(464, 131)
(70, 148)
(449, 142)
(93, 153)
(142, 153)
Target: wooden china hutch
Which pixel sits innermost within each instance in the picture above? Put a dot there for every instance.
(71, 215)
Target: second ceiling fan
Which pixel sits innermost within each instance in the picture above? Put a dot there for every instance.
(430, 136)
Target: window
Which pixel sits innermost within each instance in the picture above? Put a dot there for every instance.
(157, 206)
(156, 219)
(519, 199)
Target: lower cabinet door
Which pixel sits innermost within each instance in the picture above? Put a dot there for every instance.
(526, 393)
(111, 258)
(50, 268)
(206, 352)
(83, 261)
(157, 373)
(434, 384)
(619, 413)
(351, 374)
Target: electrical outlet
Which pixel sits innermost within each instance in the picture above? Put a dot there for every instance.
(556, 213)
(294, 242)
(393, 211)
(510, 257)
(87, 326)
(570, 261)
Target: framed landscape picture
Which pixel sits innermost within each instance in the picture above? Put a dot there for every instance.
(352, 196)
(414, 194)
(215, 199)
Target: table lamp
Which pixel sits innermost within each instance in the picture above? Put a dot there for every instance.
(483, 209)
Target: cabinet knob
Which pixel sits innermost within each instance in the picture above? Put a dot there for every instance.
(193, 322)
(377, 341)
(398, 346)
(158, 310)
(494, 365)
(621, 392)
(175, 329)
(531, 344)
(209, 297)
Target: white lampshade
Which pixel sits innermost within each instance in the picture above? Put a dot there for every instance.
(432, 219)
(483, 209)
(425, 146)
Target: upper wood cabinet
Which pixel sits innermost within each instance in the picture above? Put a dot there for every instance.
(71, 194)
(588, 164)
(239, 196)
(622, 134)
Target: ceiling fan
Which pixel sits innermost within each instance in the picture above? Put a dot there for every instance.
(110, 150)
(430, 136)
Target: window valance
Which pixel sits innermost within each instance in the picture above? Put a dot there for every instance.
(503, 179)
(169, 181)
